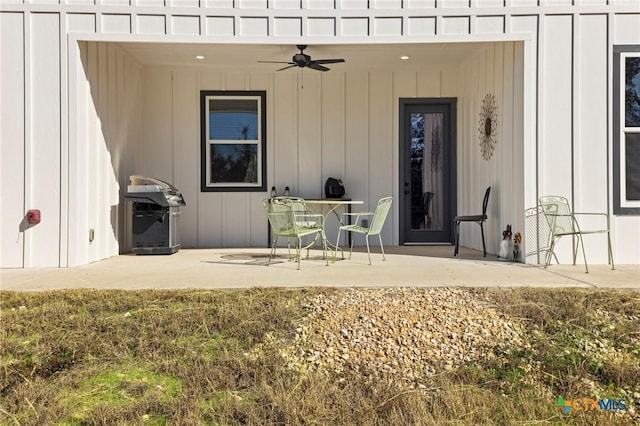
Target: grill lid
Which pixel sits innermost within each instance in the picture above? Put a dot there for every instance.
(145, 189)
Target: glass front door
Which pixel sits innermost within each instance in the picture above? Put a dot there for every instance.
(426, 168)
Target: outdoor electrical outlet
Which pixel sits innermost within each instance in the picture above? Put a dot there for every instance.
(365, 223)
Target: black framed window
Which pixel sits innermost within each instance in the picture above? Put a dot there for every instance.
(233, 132)
(626, 129)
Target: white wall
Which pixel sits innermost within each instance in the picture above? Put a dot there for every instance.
(574, 148)
(12, 136)
(340, 124)
(495, 70)
(55, 142)
(105, 146)
(71, 171)
(31, 134)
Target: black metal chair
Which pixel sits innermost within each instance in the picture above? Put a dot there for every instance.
(479, 219)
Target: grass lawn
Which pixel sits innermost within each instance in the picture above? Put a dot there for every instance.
(194, 357)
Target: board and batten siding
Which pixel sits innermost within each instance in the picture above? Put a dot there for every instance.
(104, 145)
(69, 143)
(325, 126)
(13, 150)
(496, 70)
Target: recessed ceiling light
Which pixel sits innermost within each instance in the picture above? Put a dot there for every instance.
(200, 57)
(404, 58)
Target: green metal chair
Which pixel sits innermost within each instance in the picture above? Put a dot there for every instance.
(288, 218)
(300, 210)
(374, 227)
(563, 222)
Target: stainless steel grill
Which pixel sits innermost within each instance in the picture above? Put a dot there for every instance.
(155, 211)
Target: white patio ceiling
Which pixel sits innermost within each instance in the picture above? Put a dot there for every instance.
(246, 56)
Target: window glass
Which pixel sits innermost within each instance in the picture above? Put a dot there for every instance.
(632, 92)
(233, 119)
(232, 163)
(632, 166)
(233, 140)
(427, 173)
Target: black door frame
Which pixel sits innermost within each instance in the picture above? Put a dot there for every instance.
(404, 168)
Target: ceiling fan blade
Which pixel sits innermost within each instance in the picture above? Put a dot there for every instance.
(327, 61)
(314, 66)
(286, 68)
(277, 62)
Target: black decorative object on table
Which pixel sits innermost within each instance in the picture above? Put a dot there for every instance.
(333, 188)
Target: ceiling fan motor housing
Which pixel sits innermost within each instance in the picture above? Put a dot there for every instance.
(301, 59)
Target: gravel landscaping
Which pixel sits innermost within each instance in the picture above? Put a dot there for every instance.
(404, 333)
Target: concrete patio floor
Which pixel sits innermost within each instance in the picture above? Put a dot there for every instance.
(417, 266)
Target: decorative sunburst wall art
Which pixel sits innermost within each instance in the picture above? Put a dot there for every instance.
(488, 126)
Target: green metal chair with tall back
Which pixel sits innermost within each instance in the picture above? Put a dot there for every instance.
(374, 227)
(287, 220)
(563, 222)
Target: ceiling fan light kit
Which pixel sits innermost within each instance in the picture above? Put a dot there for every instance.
(302, 60)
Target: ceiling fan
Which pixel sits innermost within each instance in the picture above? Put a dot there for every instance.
(303, 60)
